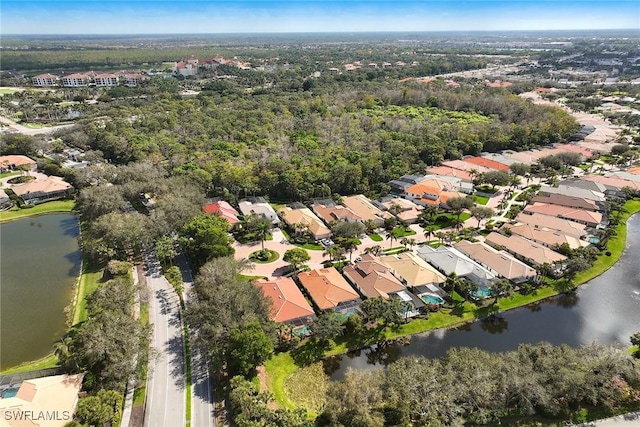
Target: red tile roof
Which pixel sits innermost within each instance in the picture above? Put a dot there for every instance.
(487, 163)
(223, 209)
(327, 287)
(288, 302)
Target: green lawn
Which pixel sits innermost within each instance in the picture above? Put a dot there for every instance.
(44, 208)
(273, 256)
(7, 91)
(401, 232)
(311, 247)
(89, 281)
(284, 365)
(9, 173)
(481, 200)
(375, 237)
(49, 361)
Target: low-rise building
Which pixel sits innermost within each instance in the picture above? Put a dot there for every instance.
(413, 271)
(134, 79)
(14, 162)
(546, 236)
(572, 192)
(403, 209)
(45, 80)
(362, 206)
(106, 79)
(431, 192)
(5, 200)
(260, 207)
(565, 226)
(487, 163)
(524, 249)
(448, 260)
(224, 209)
(75, 80)
(498, 262)
(288, 304)
(305, 218)
(329, 291)
(331, 213)
(43, 190)
(582, 216)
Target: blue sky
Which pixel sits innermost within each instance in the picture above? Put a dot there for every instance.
(239, 16)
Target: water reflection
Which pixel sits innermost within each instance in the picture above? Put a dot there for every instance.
(606, 310)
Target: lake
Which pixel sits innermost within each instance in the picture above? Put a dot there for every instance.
(39, 264)
(606, 310)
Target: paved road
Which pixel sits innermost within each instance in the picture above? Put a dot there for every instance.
(627, 420)
(202, 408)
(29, 131)
(166, 399)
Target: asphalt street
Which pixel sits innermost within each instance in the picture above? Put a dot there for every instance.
(166, 397)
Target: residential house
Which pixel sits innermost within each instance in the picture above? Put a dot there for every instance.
(399, 185)
(524, 249)
(288, 304)
(449, 171)
(45, 80)
(466, 166)
(329, 290)
(572, 191)
(332, 212)
(14, 162)
(106, 79)
(75, 80)
(43, 190)
(362, 206)
(487, 163)
(567, 201)
(44, 402)
(403, 209)
(455, 184)
(565, 226)
(432, 192)
(259, 206)
(374, 279)
(614, 182)
(413, 271)
(449, 260)
(224, 209)
(498, 262)
(582, 216)
(546, 236)
(306, 218)
(498, 157)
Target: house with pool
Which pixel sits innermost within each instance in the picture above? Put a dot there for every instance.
(417, 275)
(329, 291)
(288, 304)
(373, 279)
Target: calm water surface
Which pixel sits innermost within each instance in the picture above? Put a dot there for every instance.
(39, 264)
(606, 310)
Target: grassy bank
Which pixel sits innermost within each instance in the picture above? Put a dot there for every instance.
(49, 361)
(89, 281)
(285, 364)
(44, 208)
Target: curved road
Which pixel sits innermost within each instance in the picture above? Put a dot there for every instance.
(166, 398)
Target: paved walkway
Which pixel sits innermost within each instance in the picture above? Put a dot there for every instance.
(627, 420)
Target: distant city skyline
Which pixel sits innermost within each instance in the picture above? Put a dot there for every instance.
(240, 16)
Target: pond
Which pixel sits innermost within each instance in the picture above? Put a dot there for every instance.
(605, 310)
(39, 265)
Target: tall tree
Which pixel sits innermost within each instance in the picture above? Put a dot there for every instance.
(296, 258)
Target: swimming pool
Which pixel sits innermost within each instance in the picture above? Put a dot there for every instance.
(431, 299)
(9, 392)
(482, 292)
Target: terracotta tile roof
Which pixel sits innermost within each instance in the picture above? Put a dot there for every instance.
(530, 251)
(568, 201)
(448, 171)
(288, 302)
(47, 185)
(539, 220)
(463, 165)
(223, 209)
(487, 163)
(16, 160)
(611, 181)
(327, 288)
(499, 261)
(45, 76)
(373, 278)
(579, 215)
(363, 207)
(335, 213)
(546, 236)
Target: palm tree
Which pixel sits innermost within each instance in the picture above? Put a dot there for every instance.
(375, 250)
(452, 282)
(411, 242)
(428, 232)
(370, 226)
(349, 245)
(501, 287)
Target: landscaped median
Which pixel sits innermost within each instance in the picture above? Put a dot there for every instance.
(283, 365)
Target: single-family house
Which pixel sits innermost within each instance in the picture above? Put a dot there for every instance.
(42, 402)
(5, 201)
(412, 270)
(574, 192)
(43, 190)
(615, 182)
(531, 252)
(546, 236)
(224, 209)
(448, 260)
(567, 201)
(14, 162)
(403, 209)
(449, 171)
(498, 262)
(399, 185)
(582, 216)
(487, 163)
(565, 226)
(332, 212)
(498, 157)
(288, 304)
(362, 206)
(259, 206)
(466, 166)
(306, 218)
(329, 290)
(431, 192)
